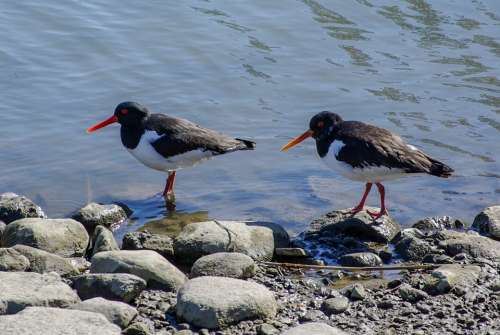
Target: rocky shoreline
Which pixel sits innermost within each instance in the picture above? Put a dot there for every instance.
(70, 276)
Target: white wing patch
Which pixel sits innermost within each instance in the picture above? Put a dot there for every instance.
(147, 155)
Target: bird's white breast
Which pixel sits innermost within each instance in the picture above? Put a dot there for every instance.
(147, 155)
(367, 173)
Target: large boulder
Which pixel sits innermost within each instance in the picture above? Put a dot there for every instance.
(21, 289)
(316, 328)
(95, 214)
(360, 259)
(114, 286)
(42, 261)
(475, 246)
(360, 225)
(147, 264)
(14, 207)
(412, 245)
(204, 238)
(11, 260)
(140, 240)
(64, 237)
(103, 240)
(116, 312)
(488, 222)
(56, 321)
(216, 302)
(224, 264)
(450, 276)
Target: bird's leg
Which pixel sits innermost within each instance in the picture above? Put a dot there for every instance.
(361, 204)
(383, 210)
(168, 193)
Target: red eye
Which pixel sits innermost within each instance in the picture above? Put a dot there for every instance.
(124, 111)
(321, 124)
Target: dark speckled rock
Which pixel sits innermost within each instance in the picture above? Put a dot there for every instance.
(14, 207)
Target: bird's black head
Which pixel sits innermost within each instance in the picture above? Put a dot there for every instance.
(321, 127)
(128, 114)
(131, 114)
(324, 124)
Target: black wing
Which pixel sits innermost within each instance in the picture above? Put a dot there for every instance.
(178, 136)
(367, 145)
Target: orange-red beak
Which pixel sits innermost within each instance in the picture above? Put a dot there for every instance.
(297, 140)
(103, 124)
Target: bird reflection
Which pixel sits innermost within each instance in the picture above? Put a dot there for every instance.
(173, 222)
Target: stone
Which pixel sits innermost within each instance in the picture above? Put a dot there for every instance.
(103, 240)
(267, 329)
(473, 245)
(224, 264)
(410, 294)
(412, 248)
(438, 223)
(216, 302)
(2, 229)
(43, 262)
(450, 276)
(290, 252)
(316, 328)
(113, 286)
(280, 235)
(21, 289)
(203, 238)
(360, 259)
(149, 265)
(11, 260)
(335, 305)
(116, 312)
(359, 225)
(488, 222)
(95, 214)
(63, 237)
(358, 292)
(56, 321)
(139, 328)
(14, 207)
(139, 240)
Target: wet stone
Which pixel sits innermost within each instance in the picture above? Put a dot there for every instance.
(14, 207)
(361, 259)
(95, 214)
(162, 244)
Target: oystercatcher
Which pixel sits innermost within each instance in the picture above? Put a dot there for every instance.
(166, 143)
(362, 152)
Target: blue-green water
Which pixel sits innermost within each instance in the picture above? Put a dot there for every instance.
(427, 70)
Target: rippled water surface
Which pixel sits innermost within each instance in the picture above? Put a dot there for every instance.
(427, 70)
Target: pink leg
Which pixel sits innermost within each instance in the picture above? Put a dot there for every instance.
(169, 186)
(361, 204)
(383, 210)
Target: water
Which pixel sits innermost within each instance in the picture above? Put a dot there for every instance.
(427, 70)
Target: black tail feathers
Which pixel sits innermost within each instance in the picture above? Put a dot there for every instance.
(440, 169)
(249, 145)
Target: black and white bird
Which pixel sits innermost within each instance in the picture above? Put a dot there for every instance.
(366, 153)
(166, 143)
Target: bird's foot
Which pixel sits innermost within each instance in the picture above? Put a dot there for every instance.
(377, 215)
(169, 200)
(356, 209)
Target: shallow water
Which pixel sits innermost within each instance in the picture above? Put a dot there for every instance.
(427, 70)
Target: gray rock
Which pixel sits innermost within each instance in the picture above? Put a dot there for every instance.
(14, 207)
(116, 312)
(410, 294)
(215, 302)
(139, 240)
(450, 276)
(412, 248)
(21, 289)
(42, 261)
(2, 229)
(358, 292)
(280, 235)
(11, 260)
(56, 321)
(488, 222)
(335, 305)
(80, 263)
(361, 259)
(438, 223)
(95, 214)
(359, 225)
(291, 252)
(64, 237)
(139, 328)
(267, 329)
(114, 286)
(316, 328)
(204, 238)
(103, 240)
(224, 264)
(475, 246)
(147, 264)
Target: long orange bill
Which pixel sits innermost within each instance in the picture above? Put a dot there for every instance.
(103, 124)
(297, 140)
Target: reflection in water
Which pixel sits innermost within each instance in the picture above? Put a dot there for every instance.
(172, 224)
